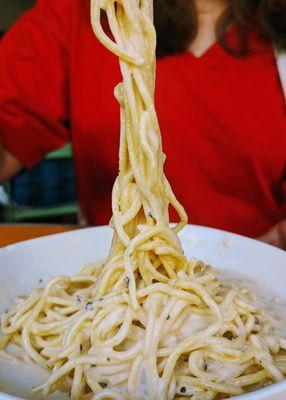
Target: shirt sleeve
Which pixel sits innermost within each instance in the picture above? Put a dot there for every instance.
(34, 82)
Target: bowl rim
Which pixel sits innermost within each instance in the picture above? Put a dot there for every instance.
(201, 228)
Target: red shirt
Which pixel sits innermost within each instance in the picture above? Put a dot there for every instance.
(223, 118)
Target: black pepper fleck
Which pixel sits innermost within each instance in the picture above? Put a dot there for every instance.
(183, 389)
(205, 366)
(89, 305)
(229, 335)
(168, 317)
(127, 280)
(80, 347)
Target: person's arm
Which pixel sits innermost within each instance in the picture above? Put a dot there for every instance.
(34, 87)
(9, 165)
(276, 236)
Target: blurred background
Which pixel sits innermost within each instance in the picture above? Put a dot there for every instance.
(10, 10)
(47, 193)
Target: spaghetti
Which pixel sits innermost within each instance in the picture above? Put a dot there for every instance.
(146, 323)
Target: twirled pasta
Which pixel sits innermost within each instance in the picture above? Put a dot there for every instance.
(146, 323)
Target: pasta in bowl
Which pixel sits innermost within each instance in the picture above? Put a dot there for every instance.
(32, 264)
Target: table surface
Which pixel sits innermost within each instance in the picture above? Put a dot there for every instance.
(10, 234)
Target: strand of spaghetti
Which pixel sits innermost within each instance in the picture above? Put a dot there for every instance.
(105, 40)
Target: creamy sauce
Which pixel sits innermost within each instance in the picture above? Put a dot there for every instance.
(17, 379)
(224, 373)
(144, 383)
(194, 323)
(268, 301)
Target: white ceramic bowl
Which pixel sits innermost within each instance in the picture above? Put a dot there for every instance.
(22, 266)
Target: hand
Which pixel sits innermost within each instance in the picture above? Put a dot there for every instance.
(276, 236)
(9, 165)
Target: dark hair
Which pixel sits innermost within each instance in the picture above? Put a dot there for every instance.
(176, 23)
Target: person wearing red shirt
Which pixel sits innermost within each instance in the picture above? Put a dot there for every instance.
(219, 99)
